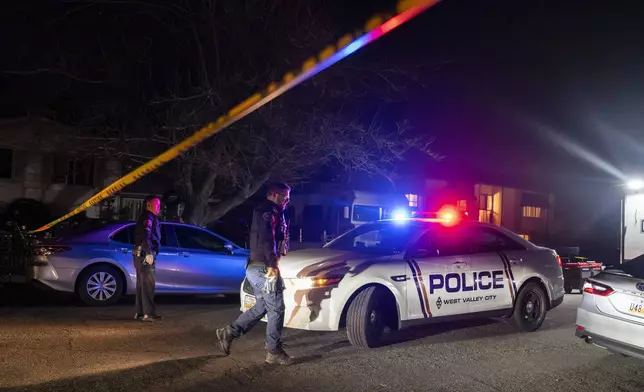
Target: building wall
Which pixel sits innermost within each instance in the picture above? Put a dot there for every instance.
(511, 218)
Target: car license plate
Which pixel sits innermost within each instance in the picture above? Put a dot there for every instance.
(636, 308)
(249, 302)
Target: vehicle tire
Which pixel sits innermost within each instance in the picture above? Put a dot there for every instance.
(367, 318)
(100, 285)
(530, 308)
(568, 289)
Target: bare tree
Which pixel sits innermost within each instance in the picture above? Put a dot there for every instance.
(174, 65)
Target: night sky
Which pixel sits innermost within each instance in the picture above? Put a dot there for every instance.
(493, 70)
(496, 75)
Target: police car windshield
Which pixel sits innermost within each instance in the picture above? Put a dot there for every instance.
(381, 237)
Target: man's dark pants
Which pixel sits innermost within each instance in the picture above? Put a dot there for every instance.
(145, 287)
(271, 304)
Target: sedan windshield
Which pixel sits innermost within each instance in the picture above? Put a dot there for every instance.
(381, 238)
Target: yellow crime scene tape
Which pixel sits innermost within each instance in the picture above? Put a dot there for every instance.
(376, 27)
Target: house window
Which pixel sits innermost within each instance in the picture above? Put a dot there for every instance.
(531, 212)
(131, 208)
(413, 200)
(485, 208)
(73, 171)
(6, 163)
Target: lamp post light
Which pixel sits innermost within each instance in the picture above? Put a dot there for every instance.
(635, 184)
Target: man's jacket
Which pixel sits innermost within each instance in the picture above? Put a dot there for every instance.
(148, 233)
(267, 231)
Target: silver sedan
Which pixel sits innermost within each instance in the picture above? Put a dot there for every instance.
(97, 265)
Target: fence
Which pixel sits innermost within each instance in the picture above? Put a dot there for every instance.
(15, 253)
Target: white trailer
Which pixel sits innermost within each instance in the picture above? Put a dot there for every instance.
(632, 222)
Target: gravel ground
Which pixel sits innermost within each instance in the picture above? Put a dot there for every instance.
(51, 344)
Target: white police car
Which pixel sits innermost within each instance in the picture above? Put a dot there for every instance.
(394, 273)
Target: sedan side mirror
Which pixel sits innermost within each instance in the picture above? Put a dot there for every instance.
(229, 248)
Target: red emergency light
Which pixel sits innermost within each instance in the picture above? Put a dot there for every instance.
(449, 215)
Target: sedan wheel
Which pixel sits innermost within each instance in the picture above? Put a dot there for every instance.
(100, 285)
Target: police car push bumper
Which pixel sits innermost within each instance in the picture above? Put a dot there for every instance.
(306, 309)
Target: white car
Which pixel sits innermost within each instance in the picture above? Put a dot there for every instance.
(394, 273)
(611, 312)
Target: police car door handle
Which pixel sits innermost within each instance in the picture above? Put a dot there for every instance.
(460, 263)
(184, 254)
(516, 260)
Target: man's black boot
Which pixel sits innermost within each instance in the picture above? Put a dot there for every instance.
(279, 357)
(225, 336)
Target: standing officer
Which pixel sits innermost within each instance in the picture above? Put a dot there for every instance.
(262, 272)
(147, 238)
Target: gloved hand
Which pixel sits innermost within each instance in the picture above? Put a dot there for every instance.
(149, 260)
(271, 273)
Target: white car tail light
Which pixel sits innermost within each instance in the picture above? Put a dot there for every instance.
(595, 288)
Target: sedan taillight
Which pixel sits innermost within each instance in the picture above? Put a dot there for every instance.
(595, 288)
(50, 250)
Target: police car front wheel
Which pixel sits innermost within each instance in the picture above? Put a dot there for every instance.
(368, 315)
(530, 307)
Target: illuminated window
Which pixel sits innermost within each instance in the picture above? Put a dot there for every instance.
(531, 212)
(413, 200)
(486, 214)
(486, 202)
(462, 205)
(525, 236)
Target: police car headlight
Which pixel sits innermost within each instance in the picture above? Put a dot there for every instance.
(311, 283)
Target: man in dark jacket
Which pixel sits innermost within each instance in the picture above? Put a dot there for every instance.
(268, 229)
(147, 239)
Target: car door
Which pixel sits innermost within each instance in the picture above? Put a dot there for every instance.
(122, 243)
(438, 265)
(207, 263)
(496, 261)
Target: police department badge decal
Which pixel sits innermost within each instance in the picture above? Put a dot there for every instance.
(439, 302)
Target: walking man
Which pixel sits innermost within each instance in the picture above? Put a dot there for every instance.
(147, 238)
(262, 272)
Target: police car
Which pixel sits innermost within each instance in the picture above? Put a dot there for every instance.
(400, 272)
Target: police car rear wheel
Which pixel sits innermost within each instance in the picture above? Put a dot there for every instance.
(530, 308)
(367, 318)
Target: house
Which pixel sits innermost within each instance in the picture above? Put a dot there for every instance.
(35, 164)
(526, 212)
